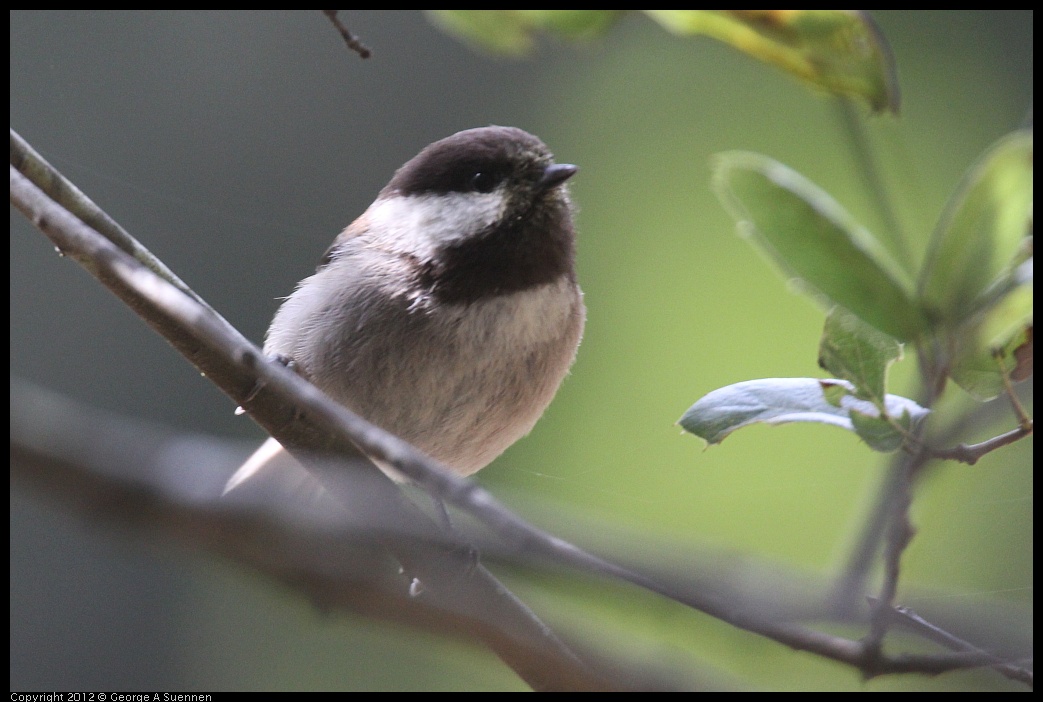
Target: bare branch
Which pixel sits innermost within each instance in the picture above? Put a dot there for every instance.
(900, 533)
(972, 453)
(133, 474)
(851, 583)
(911, 621)
(350, 39)
(42, 174)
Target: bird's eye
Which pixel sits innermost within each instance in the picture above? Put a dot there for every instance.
(483, 182)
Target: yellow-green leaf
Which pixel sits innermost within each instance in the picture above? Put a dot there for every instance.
(839, 51)
(1000, 344)
(980, 239)
(511, 32)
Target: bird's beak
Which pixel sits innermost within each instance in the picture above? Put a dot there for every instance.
(556, 174)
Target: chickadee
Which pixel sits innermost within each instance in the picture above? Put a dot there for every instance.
(448, 313)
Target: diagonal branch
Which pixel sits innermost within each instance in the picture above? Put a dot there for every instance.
(125, 472)
(911, 621)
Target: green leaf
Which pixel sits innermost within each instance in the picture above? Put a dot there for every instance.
(853, 350)
(1002, 343)
(1020, 349)
(511, 32)
(883, 434)
(782, 400)
(981, 374)
(811, 236)
(497, 31)
(979, 241)
(834, 393)
(569, 24)
(839, 51)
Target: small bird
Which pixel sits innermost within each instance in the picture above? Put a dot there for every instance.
(448, 313)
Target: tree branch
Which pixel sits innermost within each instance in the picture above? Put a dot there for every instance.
(972, 453)
(128, 473)
(911, 621)
(350, 39)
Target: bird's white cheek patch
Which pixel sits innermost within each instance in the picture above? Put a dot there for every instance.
(421, 224)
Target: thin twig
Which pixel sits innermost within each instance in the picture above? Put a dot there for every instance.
(46, 177)
(851, 584)
(900, 533)
(350, 39)
(972, 453)
(911, 621)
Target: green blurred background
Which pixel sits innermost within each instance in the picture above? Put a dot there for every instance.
(236, 145)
